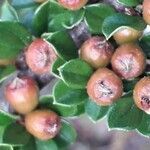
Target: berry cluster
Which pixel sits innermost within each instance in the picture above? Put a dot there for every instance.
(95, 71)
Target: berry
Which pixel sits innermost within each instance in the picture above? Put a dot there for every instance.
(40, 55)
(43, 124)
(141, 94)
(128, 61)
(127, 35)
(22, 94)
(72, 4)
(96, 51)
(146, 11)
(104, 87)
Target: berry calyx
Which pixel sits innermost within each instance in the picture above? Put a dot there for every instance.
(104, 87)
(72, 4)
(22, 94)
(146, 11)
(127, 35)
(39, 56)
(141, 94)
(128, 61)
(96, 51)
(43, 124)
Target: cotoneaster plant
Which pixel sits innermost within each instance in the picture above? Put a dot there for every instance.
(97, 54)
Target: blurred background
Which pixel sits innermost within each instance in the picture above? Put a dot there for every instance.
(96, 136)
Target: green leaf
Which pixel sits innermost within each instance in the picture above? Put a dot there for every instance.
(130, 2)
(7, 12)
(94, 111)
(14, 37)
(76, 73)
(46, 145)
(130, 84)
(40, 19)
(95, 15)
(118, 21)
(6, 118)
(145, 45)
(67, 96)
(65, 51)
(2, 129)
(80, 109)
(16, 134)
(124, 114)
(66, 136)
(61, 18)
(31, 145)
(5, 72)
(6, 147)
(59, 62)
(144, 126)
(64, 111)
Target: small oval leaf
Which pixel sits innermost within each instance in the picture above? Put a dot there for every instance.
(124, 114)
(117, 21)
(130, 2)
(94, 111)
(76, 73)
(67, 96)
(95, 15)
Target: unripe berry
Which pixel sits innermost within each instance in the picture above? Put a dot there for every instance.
(141, 94)
(96, 51)
(104, 87)
(40, 55)
(127, 35)
(43, 124)
(72, 4)
(22, 94)
(128, 61)
(146, 11)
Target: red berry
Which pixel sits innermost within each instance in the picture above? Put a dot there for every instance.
(22, 94)
(128, 61)
(40, 55)
(104, 87)
(72, 4)
(43, 124)
(127, 35)
(97, 51)
(141, 94)
(146, 11)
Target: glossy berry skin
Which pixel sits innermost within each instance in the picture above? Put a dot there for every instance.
(96, 51)
(128, 61)
(146, 11)
(104, 87)
(42, 124)
(127, 35)
(72, 4)
(141, 94)
(39, 56)
(22, 94)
